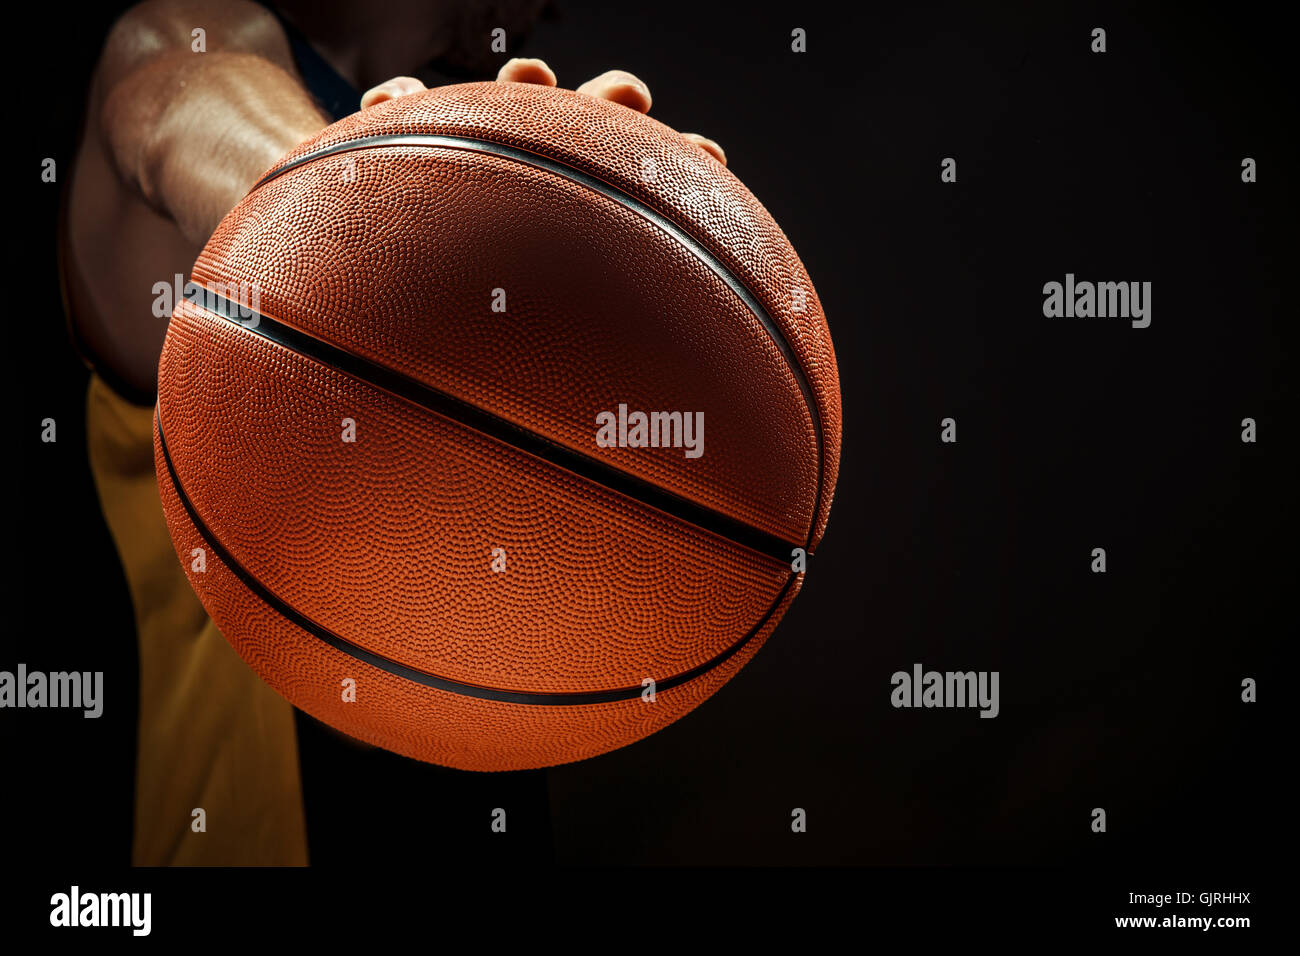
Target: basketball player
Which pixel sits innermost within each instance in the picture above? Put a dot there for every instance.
(191, 101)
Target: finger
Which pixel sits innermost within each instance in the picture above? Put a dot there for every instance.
(708, 145)
(620, 87)
(390, 90)
(523, 70)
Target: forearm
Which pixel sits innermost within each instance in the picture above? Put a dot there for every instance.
(193, 132)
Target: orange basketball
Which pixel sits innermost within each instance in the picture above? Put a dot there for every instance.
(493, 423)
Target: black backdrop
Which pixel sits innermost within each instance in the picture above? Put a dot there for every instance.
(1119, 691)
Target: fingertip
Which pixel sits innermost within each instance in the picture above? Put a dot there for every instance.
(525, 70)
(632, 95)
(708, 145)
(373, 96)
(391, 89)
(619, 86)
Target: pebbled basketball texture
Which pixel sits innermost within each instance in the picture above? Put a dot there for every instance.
(391, 471)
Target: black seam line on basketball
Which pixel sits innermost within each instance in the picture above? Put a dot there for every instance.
(609, 191)
(562, 698)
(486, 423)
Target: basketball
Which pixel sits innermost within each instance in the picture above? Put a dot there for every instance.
(497, 426)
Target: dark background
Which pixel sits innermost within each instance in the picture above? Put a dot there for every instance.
(1119, 691)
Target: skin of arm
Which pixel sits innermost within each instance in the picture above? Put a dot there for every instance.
(173, 139)
(193, 131)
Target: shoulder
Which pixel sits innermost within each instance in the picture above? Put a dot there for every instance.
(155, 26)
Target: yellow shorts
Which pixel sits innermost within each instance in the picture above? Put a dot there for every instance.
(212, 736)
